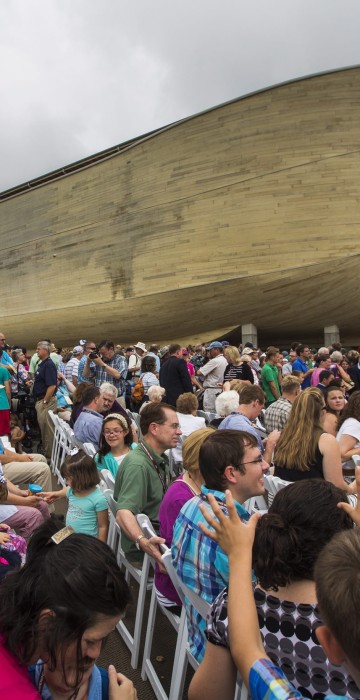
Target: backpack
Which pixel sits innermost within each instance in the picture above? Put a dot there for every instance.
(137, 393)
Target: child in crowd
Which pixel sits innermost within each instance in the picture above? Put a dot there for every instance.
(336, 576)
(17, 434)
(87, 509)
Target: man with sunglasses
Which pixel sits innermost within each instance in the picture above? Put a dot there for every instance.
(228, 459)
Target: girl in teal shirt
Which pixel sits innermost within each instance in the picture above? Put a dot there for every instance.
(116, 441)
(87, 510)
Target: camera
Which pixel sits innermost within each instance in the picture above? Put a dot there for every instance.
(93, 355)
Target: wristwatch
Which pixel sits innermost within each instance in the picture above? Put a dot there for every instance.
(137, 541)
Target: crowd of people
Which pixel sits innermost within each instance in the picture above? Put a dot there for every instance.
(185, 431)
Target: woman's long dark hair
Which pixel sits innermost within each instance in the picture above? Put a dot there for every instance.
(76, 580)
(289, 538)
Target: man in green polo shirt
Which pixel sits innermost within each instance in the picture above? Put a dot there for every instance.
(143, 478)
(270, 376)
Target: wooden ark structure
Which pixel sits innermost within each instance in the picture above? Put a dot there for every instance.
(246, 213)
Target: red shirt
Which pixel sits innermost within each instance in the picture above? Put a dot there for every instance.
(15, 682)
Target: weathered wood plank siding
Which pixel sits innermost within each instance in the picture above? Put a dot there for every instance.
(246, 213)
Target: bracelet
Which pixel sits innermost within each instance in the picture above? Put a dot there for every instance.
(137, 541)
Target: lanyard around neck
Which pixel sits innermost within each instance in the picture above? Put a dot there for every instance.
(164, 479)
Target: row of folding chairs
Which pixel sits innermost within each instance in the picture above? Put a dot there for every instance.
(208, 415)
(140, 575)
(63, 444)
(144, 578)
(183, 655)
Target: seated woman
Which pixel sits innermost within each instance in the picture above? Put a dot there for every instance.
(51, 617)
(179, 492)
(288, 540)
(226, 403)
(334, 403)
(19, 509)
(116, 441)
(77, 401)
(304, 450)
(155, 395)
(348, 435)
(186, 408)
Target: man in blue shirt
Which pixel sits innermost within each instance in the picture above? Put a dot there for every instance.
(88, 425)
(45, 384)
(300, 364)
(229, 459)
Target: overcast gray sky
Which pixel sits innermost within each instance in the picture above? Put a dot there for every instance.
(79, 76)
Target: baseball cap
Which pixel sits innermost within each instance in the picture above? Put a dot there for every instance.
(213, 345)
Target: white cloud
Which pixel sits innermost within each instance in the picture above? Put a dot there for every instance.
(79, 76)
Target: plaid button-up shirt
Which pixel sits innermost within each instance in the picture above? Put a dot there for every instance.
(117, 362)
(276, 414)
(200, 562)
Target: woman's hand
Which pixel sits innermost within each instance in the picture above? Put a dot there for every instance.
(230, 532)
(32, 501)
(120, 687)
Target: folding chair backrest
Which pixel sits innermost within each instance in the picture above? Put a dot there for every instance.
(182, 589)
(89, 449)
(272, 485)
(108, 478)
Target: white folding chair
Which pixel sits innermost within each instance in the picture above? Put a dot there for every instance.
(108, 478)
(272, 485)
(60, 446)
(54, 459)
(148, 670)
(256, 504)
(209, 416)
(183, 653)
(89, 449)
(140, 575)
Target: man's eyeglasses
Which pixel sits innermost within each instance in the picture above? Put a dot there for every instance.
(174, 426)
(258, 460)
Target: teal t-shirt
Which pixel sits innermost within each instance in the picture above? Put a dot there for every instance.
(4, 376)
(82, 511)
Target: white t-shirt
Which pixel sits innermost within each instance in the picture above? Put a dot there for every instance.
(72, 368)
(350, 426)
(188, 423)
(149, 379)
(135, 361)
(213, 371)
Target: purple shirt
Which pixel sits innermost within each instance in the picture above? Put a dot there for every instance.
(176, 496)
